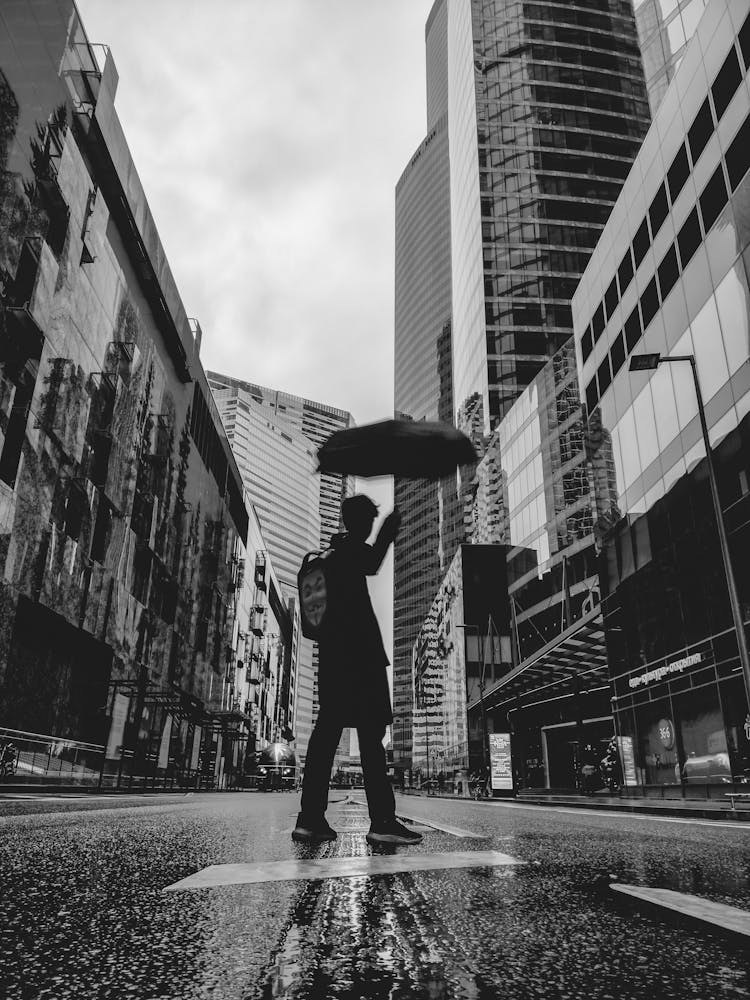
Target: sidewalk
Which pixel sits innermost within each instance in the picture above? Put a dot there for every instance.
(716, 809)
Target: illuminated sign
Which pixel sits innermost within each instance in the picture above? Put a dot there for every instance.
(501, 769)
(676, 667)
(627, 759)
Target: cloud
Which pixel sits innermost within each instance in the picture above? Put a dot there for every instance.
(269, 136)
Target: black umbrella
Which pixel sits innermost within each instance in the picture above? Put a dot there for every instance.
(404, 448)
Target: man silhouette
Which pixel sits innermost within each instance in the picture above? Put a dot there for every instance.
(352, 681)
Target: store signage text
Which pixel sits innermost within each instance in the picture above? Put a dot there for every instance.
(676, 667)
(501, 769)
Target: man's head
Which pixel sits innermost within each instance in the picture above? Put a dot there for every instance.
(359, 513)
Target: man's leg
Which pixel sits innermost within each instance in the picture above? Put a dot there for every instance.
(320, 753)
(378, 789)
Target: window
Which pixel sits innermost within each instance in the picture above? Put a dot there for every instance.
(641, 242)
(610, 298)
(604, 375)
(713, 198)
(587, 344)
(678, 173)
(700, 131)
(625, 271)
(689, 238)
(738, 154)
(633, 330)
(744, 37)
(592, 395)
(649, 302)
(597, 323)
(617, 353)
(658, 210)
(669, 271)
(726, 83)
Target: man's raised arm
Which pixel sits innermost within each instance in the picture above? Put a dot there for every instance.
(386, 535)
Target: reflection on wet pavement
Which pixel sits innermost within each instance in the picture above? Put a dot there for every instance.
(83, 914)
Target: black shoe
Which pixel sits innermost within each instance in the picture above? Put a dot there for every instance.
(313, 831)
(390, 831)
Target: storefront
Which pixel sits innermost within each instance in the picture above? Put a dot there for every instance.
(686, 719)
(556, 706)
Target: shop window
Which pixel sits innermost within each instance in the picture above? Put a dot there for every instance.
(617, 353)
(610, 298)
(649, 302)
(633, 331)
(658, 210)
(689, 238)
(641, 242)
(587, 344)
(726, 83)
(668, 271)
(738, 155)
(678, 173)
(744, 39)
(713, 198)
(700, 131)
(604, 375)
(597, 322)
(625, 271)
(592, 396)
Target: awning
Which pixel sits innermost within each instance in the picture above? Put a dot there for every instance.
(578, 653)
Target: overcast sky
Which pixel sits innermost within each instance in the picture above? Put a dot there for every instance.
(269, 136)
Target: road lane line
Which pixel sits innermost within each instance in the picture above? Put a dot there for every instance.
(321, 868)
(729, 918)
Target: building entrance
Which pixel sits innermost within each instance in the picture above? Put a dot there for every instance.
(569, 747)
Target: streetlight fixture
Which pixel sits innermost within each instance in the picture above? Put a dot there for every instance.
(648, 362)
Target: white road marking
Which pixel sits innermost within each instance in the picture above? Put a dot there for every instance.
(318, 868)
(718, 914)
(454, 831)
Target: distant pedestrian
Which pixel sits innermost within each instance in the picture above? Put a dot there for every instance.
(352, 681)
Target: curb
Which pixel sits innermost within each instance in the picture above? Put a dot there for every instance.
(721, 812)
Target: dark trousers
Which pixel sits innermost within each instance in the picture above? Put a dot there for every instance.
(320, 753)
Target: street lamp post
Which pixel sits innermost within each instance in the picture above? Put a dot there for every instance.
(647, 362)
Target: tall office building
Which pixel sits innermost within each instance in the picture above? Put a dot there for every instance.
(422, 391)
(664, 29)
(275, 436)
(542, 108)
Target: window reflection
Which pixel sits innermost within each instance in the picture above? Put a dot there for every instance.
(709, 350)
(734, 313)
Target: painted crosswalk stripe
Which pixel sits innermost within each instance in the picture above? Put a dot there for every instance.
(317, 868)
(454, 831)
(729, 918)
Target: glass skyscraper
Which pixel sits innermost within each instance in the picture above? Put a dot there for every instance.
(547, 109)
(535, 114)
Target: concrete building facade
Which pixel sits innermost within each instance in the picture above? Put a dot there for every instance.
(122, 517)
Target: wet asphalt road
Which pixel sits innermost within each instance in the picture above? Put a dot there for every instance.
(83, 915)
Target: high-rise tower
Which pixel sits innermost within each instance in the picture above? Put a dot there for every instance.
(535, 113)
(547, 109)
(274, 436)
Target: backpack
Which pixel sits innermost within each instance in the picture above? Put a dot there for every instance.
(314, 593)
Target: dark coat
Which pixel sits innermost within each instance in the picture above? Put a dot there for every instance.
(352, 677)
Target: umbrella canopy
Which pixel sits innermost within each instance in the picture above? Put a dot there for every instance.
(405, 448)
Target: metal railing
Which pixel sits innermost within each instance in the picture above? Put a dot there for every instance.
(35, 758)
